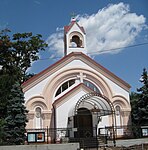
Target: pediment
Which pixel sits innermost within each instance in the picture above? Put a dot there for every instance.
(67, 60)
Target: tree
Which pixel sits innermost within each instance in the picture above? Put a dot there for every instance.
(142, 104)
(134, 97)
(2, 122)
(15, 121)
(139, 104)
(17, 52)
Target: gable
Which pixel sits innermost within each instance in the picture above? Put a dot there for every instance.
(69, 59)
(72, 24)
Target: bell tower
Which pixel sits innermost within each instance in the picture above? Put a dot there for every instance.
(74, 38)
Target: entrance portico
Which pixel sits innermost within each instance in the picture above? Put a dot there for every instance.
(89, 111)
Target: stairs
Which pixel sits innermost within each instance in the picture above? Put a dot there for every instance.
(101, 141)
(90, 142)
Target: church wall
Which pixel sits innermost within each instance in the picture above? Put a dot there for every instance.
(35, 90)
(63, 110)
(39, 87)
(117, 90)
(76, 66)
(46, 109)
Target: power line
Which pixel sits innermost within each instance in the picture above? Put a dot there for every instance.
(114, 49)
(103, 51)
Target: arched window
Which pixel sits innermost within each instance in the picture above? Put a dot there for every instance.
(117, 110)
(38, 117)
(65, 86)
(119, 120)
(91, 86)
(118, 115)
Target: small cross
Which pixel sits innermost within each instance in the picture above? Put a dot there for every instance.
(81, 76)
(73, 15)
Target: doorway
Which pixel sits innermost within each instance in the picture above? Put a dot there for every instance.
(83, 123)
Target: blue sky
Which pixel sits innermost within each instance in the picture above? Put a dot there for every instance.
(109, 24)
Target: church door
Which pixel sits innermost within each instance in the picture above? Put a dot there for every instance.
(83, 123)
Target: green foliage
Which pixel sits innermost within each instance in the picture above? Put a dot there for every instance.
(134, 97)
(15, 121)
(2, 132)
(17, 52)
(142, 104)
(139, 103)
(6, 82)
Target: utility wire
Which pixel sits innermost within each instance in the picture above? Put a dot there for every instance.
(114, 49)
(103, 51)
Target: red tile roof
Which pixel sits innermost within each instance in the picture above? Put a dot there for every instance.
(67, 28)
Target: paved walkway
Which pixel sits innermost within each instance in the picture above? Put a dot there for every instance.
(131, 142)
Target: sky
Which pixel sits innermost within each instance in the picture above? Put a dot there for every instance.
(116, 31)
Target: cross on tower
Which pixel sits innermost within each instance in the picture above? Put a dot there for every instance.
(73, 15)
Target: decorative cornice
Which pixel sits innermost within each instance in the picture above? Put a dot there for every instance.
(30, 116)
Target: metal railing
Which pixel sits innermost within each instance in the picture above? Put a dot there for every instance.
(87, 137)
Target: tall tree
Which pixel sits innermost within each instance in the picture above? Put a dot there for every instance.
(142, 104)
(15, 121)
(139, 103)
(17, 52)
(134, 98)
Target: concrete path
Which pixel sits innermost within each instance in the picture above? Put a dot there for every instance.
(131, 142)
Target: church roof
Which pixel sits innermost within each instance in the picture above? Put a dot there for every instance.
(67, 59)
(67, 28)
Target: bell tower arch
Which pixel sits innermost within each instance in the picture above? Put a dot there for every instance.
(74, 38)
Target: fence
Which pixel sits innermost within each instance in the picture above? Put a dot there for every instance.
(124, 132)
(87, 137)
(47, 135)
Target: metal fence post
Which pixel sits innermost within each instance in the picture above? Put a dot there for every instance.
(47, 134)
(114, 140)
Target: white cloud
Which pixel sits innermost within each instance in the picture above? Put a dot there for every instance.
(55, 43)
(111, 27)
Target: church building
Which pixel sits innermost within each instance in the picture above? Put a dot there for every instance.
(76, 91)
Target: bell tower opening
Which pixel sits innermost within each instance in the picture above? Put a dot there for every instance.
(74, 38)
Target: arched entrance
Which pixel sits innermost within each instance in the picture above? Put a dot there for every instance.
(88, 111)
(83, 123)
